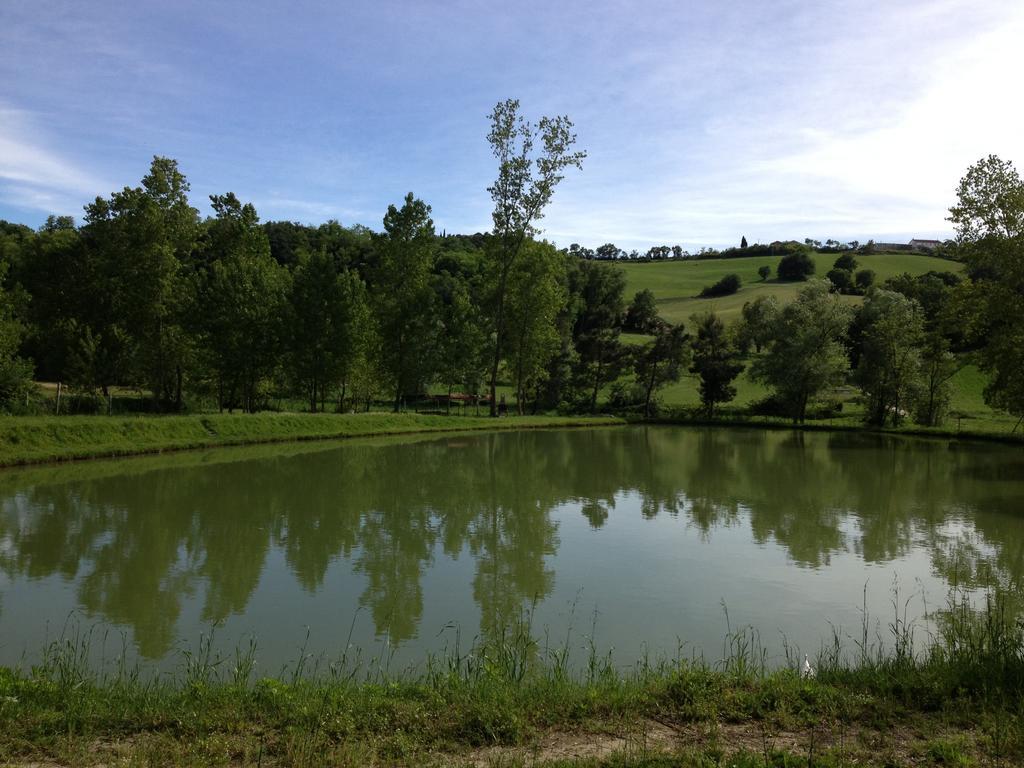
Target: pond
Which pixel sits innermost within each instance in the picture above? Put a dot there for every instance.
(636, 541)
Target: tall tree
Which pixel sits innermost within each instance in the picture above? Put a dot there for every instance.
(15, 371)
(462, 345)
(715, 361)
(525, 184)
(242, 304)
(661, 361)
(989, 222)
(598, 325)
(139, 241)
(536, 293)
(323, 308)
(403, 298)
(642, 313)
(806, 353)
(889, 366)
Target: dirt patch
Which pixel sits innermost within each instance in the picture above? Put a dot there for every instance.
(857, 745)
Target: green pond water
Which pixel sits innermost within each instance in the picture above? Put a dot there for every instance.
(640, 540)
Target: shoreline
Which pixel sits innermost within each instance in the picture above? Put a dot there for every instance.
(54, 440)
(507, 703)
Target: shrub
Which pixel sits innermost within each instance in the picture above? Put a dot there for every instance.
(795, 266)
(724, 287)
(847, 262)
(764, 272)
(842, 279)
(864, 279)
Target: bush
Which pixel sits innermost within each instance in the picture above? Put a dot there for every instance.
(724, 287)
(864, 279)
(842, 279)
(764, 272)
(847, 262)
(795, 266)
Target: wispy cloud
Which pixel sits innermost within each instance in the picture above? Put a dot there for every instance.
(35, 176)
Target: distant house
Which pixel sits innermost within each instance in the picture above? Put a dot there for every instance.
(925, 245)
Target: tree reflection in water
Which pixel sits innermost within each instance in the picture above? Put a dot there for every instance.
(141, 539)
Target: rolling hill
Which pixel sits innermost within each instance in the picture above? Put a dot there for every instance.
(676, 284)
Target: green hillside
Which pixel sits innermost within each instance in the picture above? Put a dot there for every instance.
(676, 284)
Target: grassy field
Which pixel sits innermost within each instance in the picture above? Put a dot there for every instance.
(31, 439)
(677, 284)
(511, 701)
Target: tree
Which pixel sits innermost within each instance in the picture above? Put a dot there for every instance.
(323, 311)
(795, 266)
(864, 279)
(15, 371)
(597, 327)
(989, 222)
(661, 361)
(403, 297)
(764, 271)
(716, 361)
(138, 242)
(525, 184)
(889, 364)
(536, 293)
(743, 242)
(758, 323)
(462, 346)
(938, 366)
(806, 353)
(847, 262)
(241, 305)
(990, 202)
(642, 313)
(841, 279)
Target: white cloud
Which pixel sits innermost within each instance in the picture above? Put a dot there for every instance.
(32, 175)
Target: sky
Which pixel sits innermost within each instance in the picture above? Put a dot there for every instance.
(703, 122)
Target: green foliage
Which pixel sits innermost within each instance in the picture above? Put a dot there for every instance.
(642, 313)
(241, 298)
(727, 286)
(661, 362)
(846, 262)
(403, 299)
(841, 279)
(764, 272)
(795, 266)
(989, 221)
(715, 361)
(135, 246)
(938, 366)
(600, 357)
(757, 325)
(889, 368)
(525, 184)
(990, 202)
(806, 353)
(15, 372)
(326, 311)
(864, 279)
(536, 294)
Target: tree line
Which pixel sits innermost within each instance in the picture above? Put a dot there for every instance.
(229, 310)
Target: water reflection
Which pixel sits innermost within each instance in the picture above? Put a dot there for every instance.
(142, 540)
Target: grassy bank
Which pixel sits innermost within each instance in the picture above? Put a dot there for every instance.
(512, 702)
(34, 439)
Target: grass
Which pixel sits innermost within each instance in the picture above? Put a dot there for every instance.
(511, 700)
(676, 284)
(34, 439)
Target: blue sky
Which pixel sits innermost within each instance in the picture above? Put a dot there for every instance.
(703, 121)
